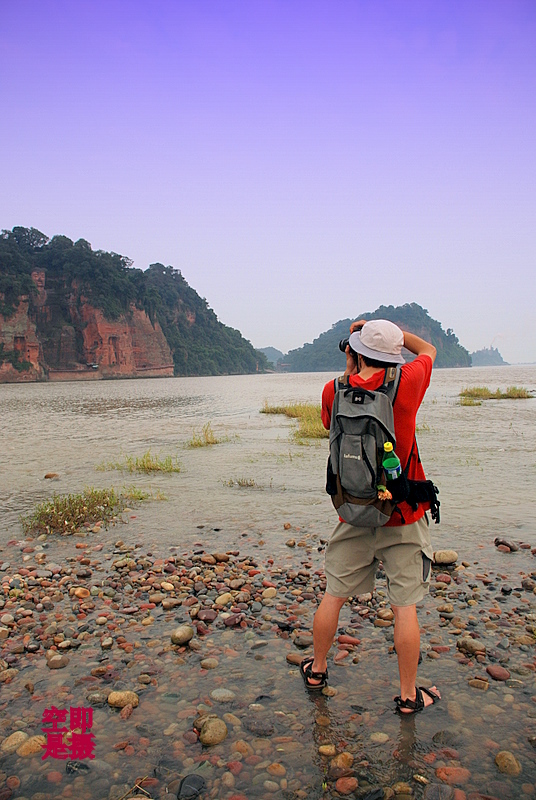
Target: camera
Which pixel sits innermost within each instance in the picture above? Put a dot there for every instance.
(343, 344)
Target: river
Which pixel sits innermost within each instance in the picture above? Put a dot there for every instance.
(61, 649)
(483, 458)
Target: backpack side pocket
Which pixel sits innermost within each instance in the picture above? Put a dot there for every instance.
(331, 480)
(399, 488)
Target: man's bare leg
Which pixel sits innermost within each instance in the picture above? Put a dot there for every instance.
(407, 646)
(324, 630)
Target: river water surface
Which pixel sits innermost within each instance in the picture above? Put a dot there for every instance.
(483, 459)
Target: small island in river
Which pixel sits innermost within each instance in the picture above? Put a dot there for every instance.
(488, 357)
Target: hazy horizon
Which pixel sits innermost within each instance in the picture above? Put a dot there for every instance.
(299, 162)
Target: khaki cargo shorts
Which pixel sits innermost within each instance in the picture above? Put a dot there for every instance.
(353, 555)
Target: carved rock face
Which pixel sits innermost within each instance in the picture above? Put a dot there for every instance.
(18, 335)
(89, 348)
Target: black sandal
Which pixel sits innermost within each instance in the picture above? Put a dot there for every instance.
(414, 706)
(306, 669)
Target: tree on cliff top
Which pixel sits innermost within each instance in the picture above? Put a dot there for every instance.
(16, 265)
(200, 343)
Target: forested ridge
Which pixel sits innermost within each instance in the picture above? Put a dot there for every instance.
(323, 354)
(75, 273)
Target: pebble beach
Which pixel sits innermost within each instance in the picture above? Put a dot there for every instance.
(189, 662)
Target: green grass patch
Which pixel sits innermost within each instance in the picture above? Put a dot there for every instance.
(483, 393)
(205, 437)
(147, 463)
(66, 514)
(422, 428)
(308, 416)
(133, 494)
(242, 483)
(470, 401)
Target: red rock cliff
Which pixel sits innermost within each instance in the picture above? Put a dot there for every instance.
(20, 344)
(127, 347)
(89, 348)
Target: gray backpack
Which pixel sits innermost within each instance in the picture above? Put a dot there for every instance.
(361, 422)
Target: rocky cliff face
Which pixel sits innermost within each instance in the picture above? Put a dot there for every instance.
(37, 343)
(128, 347)
(84, 314)
(21, 355)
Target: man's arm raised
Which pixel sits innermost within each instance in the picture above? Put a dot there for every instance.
(416, 345)
(412, 342)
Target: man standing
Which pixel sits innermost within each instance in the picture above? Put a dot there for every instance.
(403, 543)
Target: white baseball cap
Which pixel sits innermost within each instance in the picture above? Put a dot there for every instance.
(379, 339)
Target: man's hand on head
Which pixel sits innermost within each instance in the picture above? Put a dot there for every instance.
(357, 325)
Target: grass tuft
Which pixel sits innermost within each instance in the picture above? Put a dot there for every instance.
(243, 483)
(470, 401)
(132, 494)
(206, 437)
(67, 513)
(308, 416)
(423, 427)
(483, 393)
(147, 463)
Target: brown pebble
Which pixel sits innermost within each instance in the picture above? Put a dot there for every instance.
(343, 761)
(498, 673)
(453, 775)
(340, 656)
(276, 769)
(346, 785)
(479, 683)
(294, 658)
(57, 662)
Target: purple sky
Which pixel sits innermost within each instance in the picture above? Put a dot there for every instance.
(299, 161)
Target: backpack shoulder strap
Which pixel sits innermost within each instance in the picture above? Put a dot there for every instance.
(338, 384)
(391, 382)
(406, 469)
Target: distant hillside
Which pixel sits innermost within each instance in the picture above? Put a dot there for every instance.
(69, 312)
(323, 355)
(272, 354)
(488, 357)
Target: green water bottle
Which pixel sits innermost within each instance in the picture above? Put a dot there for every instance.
(391, 462)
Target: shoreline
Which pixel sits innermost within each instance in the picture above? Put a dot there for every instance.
(94, 614)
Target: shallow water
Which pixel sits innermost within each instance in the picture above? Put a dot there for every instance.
(483, 460)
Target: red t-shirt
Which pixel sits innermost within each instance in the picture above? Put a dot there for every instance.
(414, 381)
